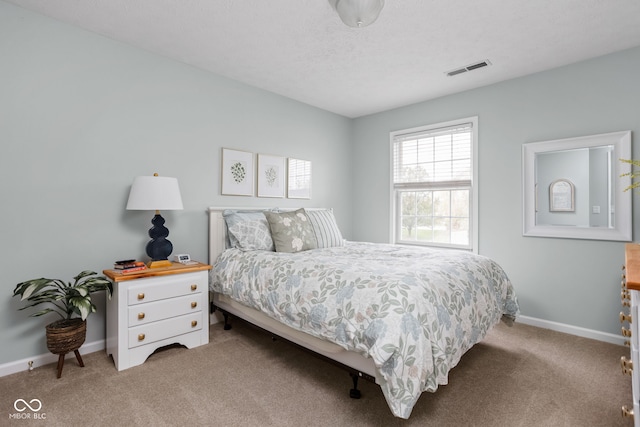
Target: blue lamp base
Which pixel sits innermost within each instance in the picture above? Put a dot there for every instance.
(159, 248)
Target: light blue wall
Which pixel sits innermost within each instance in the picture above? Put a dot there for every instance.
(574, 282)
(82, 115)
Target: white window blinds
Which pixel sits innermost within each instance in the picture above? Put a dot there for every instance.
(433, 156)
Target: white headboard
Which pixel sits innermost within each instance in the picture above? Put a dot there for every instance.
(217, 233)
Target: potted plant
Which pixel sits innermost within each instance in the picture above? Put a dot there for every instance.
(71, 301)
(633, 174)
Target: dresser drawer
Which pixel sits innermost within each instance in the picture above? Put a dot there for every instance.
(163, 329)
(158, 288)
(634, 326)
(141, 314)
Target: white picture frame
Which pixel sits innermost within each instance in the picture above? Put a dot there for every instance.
(271, 176)
(299, 179)
(237, 173)
(561, 196)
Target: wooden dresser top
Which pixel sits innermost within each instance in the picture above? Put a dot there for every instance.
(632, 263)
(175, 268)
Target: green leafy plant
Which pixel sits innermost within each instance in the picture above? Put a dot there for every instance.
(634, 174)
(68, 300)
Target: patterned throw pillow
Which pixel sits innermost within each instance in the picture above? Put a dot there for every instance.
(248, 230)
(325, 228)
(252, 236)
(291, 231)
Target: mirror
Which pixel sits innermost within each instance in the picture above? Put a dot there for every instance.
(572, 188)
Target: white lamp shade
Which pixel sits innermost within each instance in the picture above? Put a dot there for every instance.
(154, 193)
(358, 13)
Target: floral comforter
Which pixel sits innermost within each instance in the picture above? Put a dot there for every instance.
(414, 311)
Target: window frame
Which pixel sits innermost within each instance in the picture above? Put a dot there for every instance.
(473, 194)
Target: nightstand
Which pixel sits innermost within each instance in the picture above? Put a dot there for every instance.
(629, 317)
(156, 307)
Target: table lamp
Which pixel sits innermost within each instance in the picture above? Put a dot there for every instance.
(156, 193)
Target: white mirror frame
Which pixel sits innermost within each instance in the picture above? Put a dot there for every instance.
(622, 230)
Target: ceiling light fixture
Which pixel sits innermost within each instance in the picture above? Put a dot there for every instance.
(357, 13)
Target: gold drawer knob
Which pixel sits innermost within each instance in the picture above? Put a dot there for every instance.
(194, 287)
(625, 295)
(623, 285)
(627, 343)
(140, 337)
(626, 303)
(626, 365)
(624, 362)
(141, 295)
(626, 332)
(625, 317)
(194, 304)
(140, 316)
(626, 412)
(194, 323)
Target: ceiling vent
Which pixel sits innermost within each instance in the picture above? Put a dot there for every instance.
(468, 68)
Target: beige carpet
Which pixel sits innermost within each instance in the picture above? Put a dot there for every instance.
(519, 376)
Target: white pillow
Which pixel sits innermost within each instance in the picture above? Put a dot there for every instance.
(325, 227)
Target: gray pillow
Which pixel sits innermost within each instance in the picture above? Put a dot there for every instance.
(248, 230)
(291, 231)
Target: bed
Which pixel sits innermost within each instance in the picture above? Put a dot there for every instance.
(401, 316)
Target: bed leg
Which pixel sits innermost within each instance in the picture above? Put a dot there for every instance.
(354, 393)
(227, 321)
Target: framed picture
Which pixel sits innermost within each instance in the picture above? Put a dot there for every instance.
(299, 182)
(561, 196)
(237, 173)
(271, 176)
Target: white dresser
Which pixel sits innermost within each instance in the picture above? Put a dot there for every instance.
(631, 327)
(155, 308)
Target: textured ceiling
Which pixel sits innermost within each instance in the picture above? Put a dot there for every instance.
(300, 49)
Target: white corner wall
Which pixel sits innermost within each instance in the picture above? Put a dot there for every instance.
(81, 116)
(575, 283)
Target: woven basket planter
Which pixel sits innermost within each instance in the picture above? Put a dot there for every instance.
(65, 336)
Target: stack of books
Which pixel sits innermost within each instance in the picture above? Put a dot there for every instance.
(129, 265)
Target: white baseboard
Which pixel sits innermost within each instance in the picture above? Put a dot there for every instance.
(572, 330)
(47, 358)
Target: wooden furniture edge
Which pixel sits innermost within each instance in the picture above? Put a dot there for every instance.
(632, 265)
(175, 268)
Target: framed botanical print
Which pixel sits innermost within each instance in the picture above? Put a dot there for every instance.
(299, 182)
(271, 176)
(237, 173)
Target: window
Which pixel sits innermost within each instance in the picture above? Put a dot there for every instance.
(434, 185)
